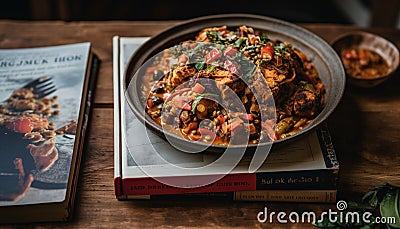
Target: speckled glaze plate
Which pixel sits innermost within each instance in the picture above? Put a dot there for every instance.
(321, 53)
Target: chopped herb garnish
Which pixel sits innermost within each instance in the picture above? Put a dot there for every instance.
(282, 49)
(306, 86)
(264, 38)
(238, 43)
(200, 65)
(210, 68)
(215, 37)
(247, 68)
(264, 62)
(191, 52)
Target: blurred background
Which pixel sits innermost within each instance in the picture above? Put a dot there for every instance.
(357, 12)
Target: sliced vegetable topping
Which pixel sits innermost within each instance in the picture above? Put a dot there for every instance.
(213, 55)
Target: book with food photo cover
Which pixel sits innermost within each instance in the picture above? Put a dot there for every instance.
(305, 170)
(46, 95)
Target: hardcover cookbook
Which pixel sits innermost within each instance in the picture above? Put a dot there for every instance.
(46, 95)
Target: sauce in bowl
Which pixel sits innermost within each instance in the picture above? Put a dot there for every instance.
(363, 63)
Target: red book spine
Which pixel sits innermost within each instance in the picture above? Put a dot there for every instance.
(118, 186)
(151, 186)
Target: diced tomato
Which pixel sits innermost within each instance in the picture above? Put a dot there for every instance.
(205, 131)
(180, 102)
(186, 107)
(224, 33)
(252, 38)
(247, 117)
(198, 88)
(171, 96)
(213, 55)
(22, 125)
(267, 52)
(233, 126)
(222, 28)
(268, 125)
(276, 136)
(192, 45)
(231, 66)
(221, 119)
(150, 103)
(182, 58)
(230, 51)
(347, 55)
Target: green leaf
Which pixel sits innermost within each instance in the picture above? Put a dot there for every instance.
(199, 65)
(238, 43)
(378, 193)
(389, 208)
(210, 68)
(385, 195)
(264, 62)
(306, 86)
(264, 38)
(215, 37)
(191, 52)
(281, 49)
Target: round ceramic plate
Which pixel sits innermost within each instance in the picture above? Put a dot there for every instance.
(323, 56)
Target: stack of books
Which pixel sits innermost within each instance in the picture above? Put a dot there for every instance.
(303, 170)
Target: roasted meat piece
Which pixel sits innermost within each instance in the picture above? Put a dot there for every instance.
(306, 103)
(282, 70)
(179, 75)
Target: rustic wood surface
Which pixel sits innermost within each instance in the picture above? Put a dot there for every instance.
(365, 129)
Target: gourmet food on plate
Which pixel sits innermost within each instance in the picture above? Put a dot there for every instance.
(193, 96)
(27, 140)
(363, 63)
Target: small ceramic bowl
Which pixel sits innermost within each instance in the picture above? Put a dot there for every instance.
(373, 42)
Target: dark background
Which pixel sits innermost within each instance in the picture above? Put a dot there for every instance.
(290, 10)
(383, 12)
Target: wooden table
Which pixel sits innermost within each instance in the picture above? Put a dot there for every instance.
(365, 128)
